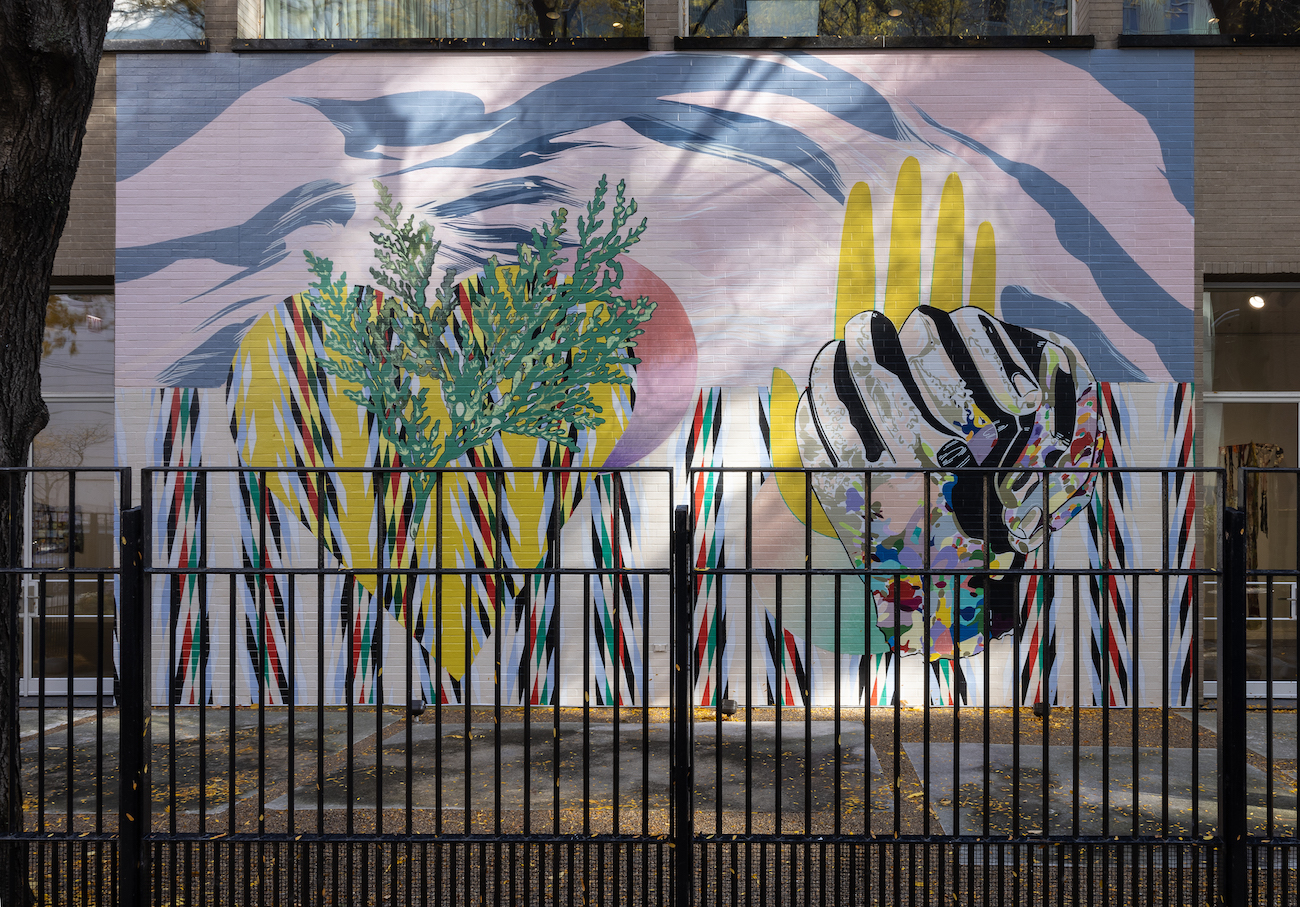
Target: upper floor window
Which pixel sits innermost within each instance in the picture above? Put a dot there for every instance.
(453, 18)
(156, 20)
(1211, 17)
(878, 18)
(1251, 336)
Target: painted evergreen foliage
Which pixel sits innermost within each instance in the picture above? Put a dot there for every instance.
(516, 350)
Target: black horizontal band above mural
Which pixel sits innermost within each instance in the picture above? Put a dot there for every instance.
(1209, 40)
(881, 42)
(380, 44)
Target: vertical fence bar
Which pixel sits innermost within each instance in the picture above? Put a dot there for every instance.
(13, 860)
(683, 775)
(1231, 888)
(133, 799)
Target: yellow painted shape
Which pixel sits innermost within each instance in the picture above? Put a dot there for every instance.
(267, 399)
(949, 248)
(856, 290)
(785, 454)
(984, 270)
(903, 287)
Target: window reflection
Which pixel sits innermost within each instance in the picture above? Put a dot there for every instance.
(887, 18)
(72, 515)
(530, 19)
(68, 619)
(1211, 17)
(1253, 348)
(157, 20)
(77, 350)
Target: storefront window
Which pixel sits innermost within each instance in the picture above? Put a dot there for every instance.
(1211, 17)
(156, 20)
(1252, 419)
(529, 19)
(870, 18)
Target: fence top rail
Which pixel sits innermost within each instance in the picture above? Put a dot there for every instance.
(976, 470)
(388, 470)
(598, 570)
(1247, 471)
(942, 572)
(61, 571)
(63, 470)
(15, 474)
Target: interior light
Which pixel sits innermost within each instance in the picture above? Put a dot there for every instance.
(895, 13)
(617, 24)
(553, 14)
(1062, 10)
(1257, 302)
(1213, 21)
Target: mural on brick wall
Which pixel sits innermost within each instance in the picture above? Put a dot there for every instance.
(882, 262)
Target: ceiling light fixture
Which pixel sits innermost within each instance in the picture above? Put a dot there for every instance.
(1257, 302)
(553, 14)
(895, 13)
(616, 24)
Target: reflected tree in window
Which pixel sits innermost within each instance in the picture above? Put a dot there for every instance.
(900, 18)
(519, 19)
(156, 20)
(1256, 17)
(60, 450)
(66, 315)
(1211, 17)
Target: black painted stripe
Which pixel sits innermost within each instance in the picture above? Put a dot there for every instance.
(1008, 427)
(888, 353)
(846, 388)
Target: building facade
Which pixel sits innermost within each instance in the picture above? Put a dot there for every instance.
(702, 238)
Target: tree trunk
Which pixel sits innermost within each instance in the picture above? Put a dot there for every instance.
(49, 58)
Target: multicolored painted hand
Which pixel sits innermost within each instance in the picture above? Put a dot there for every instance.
(948, 391)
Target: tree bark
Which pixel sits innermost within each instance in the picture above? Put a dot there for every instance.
(49, 59)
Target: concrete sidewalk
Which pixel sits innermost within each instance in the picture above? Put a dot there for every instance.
(483, 776)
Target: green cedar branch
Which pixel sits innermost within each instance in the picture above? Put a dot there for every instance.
(516, 350)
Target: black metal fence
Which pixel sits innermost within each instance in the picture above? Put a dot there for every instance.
(986, 718)
(553, 687)
(61, 589)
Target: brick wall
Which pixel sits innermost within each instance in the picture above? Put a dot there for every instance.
(86, 249)
(220, 17)
(1247, 168)
(663, 22)
(1102, 19)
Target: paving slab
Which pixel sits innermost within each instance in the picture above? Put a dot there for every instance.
(1191, 811)
(450, 769)
(30, 720)
(1257, 731)
(203, 753)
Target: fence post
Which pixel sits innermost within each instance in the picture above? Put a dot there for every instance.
(683, 774)
(1232, 711)
(133, 799)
